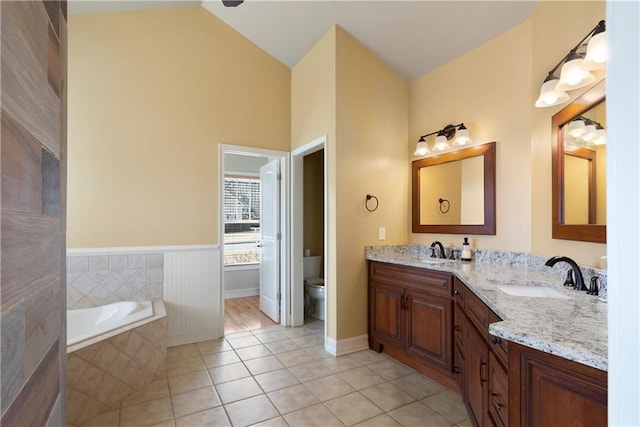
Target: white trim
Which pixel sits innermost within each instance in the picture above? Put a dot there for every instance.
(347, 345)
(191, 338)
(239, 267)
(239, 293)
(124, 250)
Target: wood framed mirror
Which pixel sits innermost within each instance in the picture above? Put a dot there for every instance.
(579, 170)
(455, 192)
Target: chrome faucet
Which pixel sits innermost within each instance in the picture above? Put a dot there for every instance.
(441, 253)
(577, 274)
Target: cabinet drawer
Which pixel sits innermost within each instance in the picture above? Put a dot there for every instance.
(478, 313)
(433, 282)
(459, 290)
(498, 345)
(458, 325)
(498, 393)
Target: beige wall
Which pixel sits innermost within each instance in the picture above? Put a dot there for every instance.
(489, 89)
(313, 207)
(441, 181)
(372, 120)
(556, 27)
(151, 95)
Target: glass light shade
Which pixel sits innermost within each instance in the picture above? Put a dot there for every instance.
(549, 96)
(574, 75)
(441, 143)
(576, 128)
(421, 148)
(462, 136)
(601, 139)
(589, 133)
(596, 56)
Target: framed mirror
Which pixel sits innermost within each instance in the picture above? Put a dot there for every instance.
(455, 192)
(579, 168)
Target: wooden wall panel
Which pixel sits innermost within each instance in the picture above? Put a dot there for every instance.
(27, 95)
(32, 218)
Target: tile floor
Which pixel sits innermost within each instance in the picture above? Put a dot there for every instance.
(279, 376)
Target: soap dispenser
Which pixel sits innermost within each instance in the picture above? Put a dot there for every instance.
(465, 255)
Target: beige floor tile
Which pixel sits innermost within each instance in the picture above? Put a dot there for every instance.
(353, 408)
(317, 415)
(271, 337)
(263, 364)
(240, 334)
(219, 359)
(310, 371)
(109, 418)
(238, 389)
(253, 352)
(387, 396)
(340, 363)
(282, 346)
(295, 357)
(294, 332)
(273, 422)
(366, 357)
(418, 385)
(360, 378)
(275, 380)
(184, 366)
(194, 401)
(466, 423)
(147, 413)
(267, 330)
(251, 411)
(213, 346)
(418, 415)
(449, 404)
(327, 388)
(189, 382)
(308, 340)
(242, 342)
(168, 423)
(318, 352)
(382, 420)
(152, 391)
(292, 398)
(390, 369)
(182, 352)
(222, 374)
(216, 417)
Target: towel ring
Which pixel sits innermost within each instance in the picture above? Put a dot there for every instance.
(366, 203)
(442, 202)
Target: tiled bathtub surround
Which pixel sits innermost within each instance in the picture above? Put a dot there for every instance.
(102, 279)
(101, 375)
(574, 328)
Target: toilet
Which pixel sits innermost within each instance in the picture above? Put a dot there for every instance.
(313, 287)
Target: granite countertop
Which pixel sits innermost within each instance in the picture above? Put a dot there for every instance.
(575, 329)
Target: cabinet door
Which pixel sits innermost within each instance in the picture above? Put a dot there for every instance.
(498, 392)
(429, 333)
(475, 382)
(553, 393)
(458, 368)
(386, 313)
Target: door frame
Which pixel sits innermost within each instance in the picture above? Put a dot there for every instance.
(296, 314)
(285, 250)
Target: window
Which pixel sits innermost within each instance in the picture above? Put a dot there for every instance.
(241, 220)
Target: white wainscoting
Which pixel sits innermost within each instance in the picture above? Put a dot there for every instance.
(192, 294)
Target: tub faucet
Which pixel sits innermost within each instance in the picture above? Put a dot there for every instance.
(441, 253)
(577, 274)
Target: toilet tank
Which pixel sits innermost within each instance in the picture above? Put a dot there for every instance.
(312, 266)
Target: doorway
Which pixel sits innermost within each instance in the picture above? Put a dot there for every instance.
(253, 205)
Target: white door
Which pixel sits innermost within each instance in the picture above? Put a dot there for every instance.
(269, 232)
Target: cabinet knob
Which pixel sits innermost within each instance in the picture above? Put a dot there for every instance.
(456, 292)
(495, 340)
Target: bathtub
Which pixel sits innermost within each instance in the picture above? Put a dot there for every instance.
(87, 323)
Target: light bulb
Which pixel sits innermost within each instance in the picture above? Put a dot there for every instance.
(549, 96)
(421, 148)
(596, 51)
(462, 136)
(573, 74)
(576, 128)
(441, 143)
(589, 133)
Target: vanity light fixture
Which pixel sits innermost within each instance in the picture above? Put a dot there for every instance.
(587, 130)
(589, 54)
(443, 137)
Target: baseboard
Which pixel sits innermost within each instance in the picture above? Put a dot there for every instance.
(347, 345)
(239, 293)
(192, 337)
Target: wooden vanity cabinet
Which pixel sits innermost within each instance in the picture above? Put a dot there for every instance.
(411, 317)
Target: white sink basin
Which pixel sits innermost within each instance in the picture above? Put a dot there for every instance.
(533, 291)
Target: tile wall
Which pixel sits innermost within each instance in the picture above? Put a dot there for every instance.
(103, 279)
